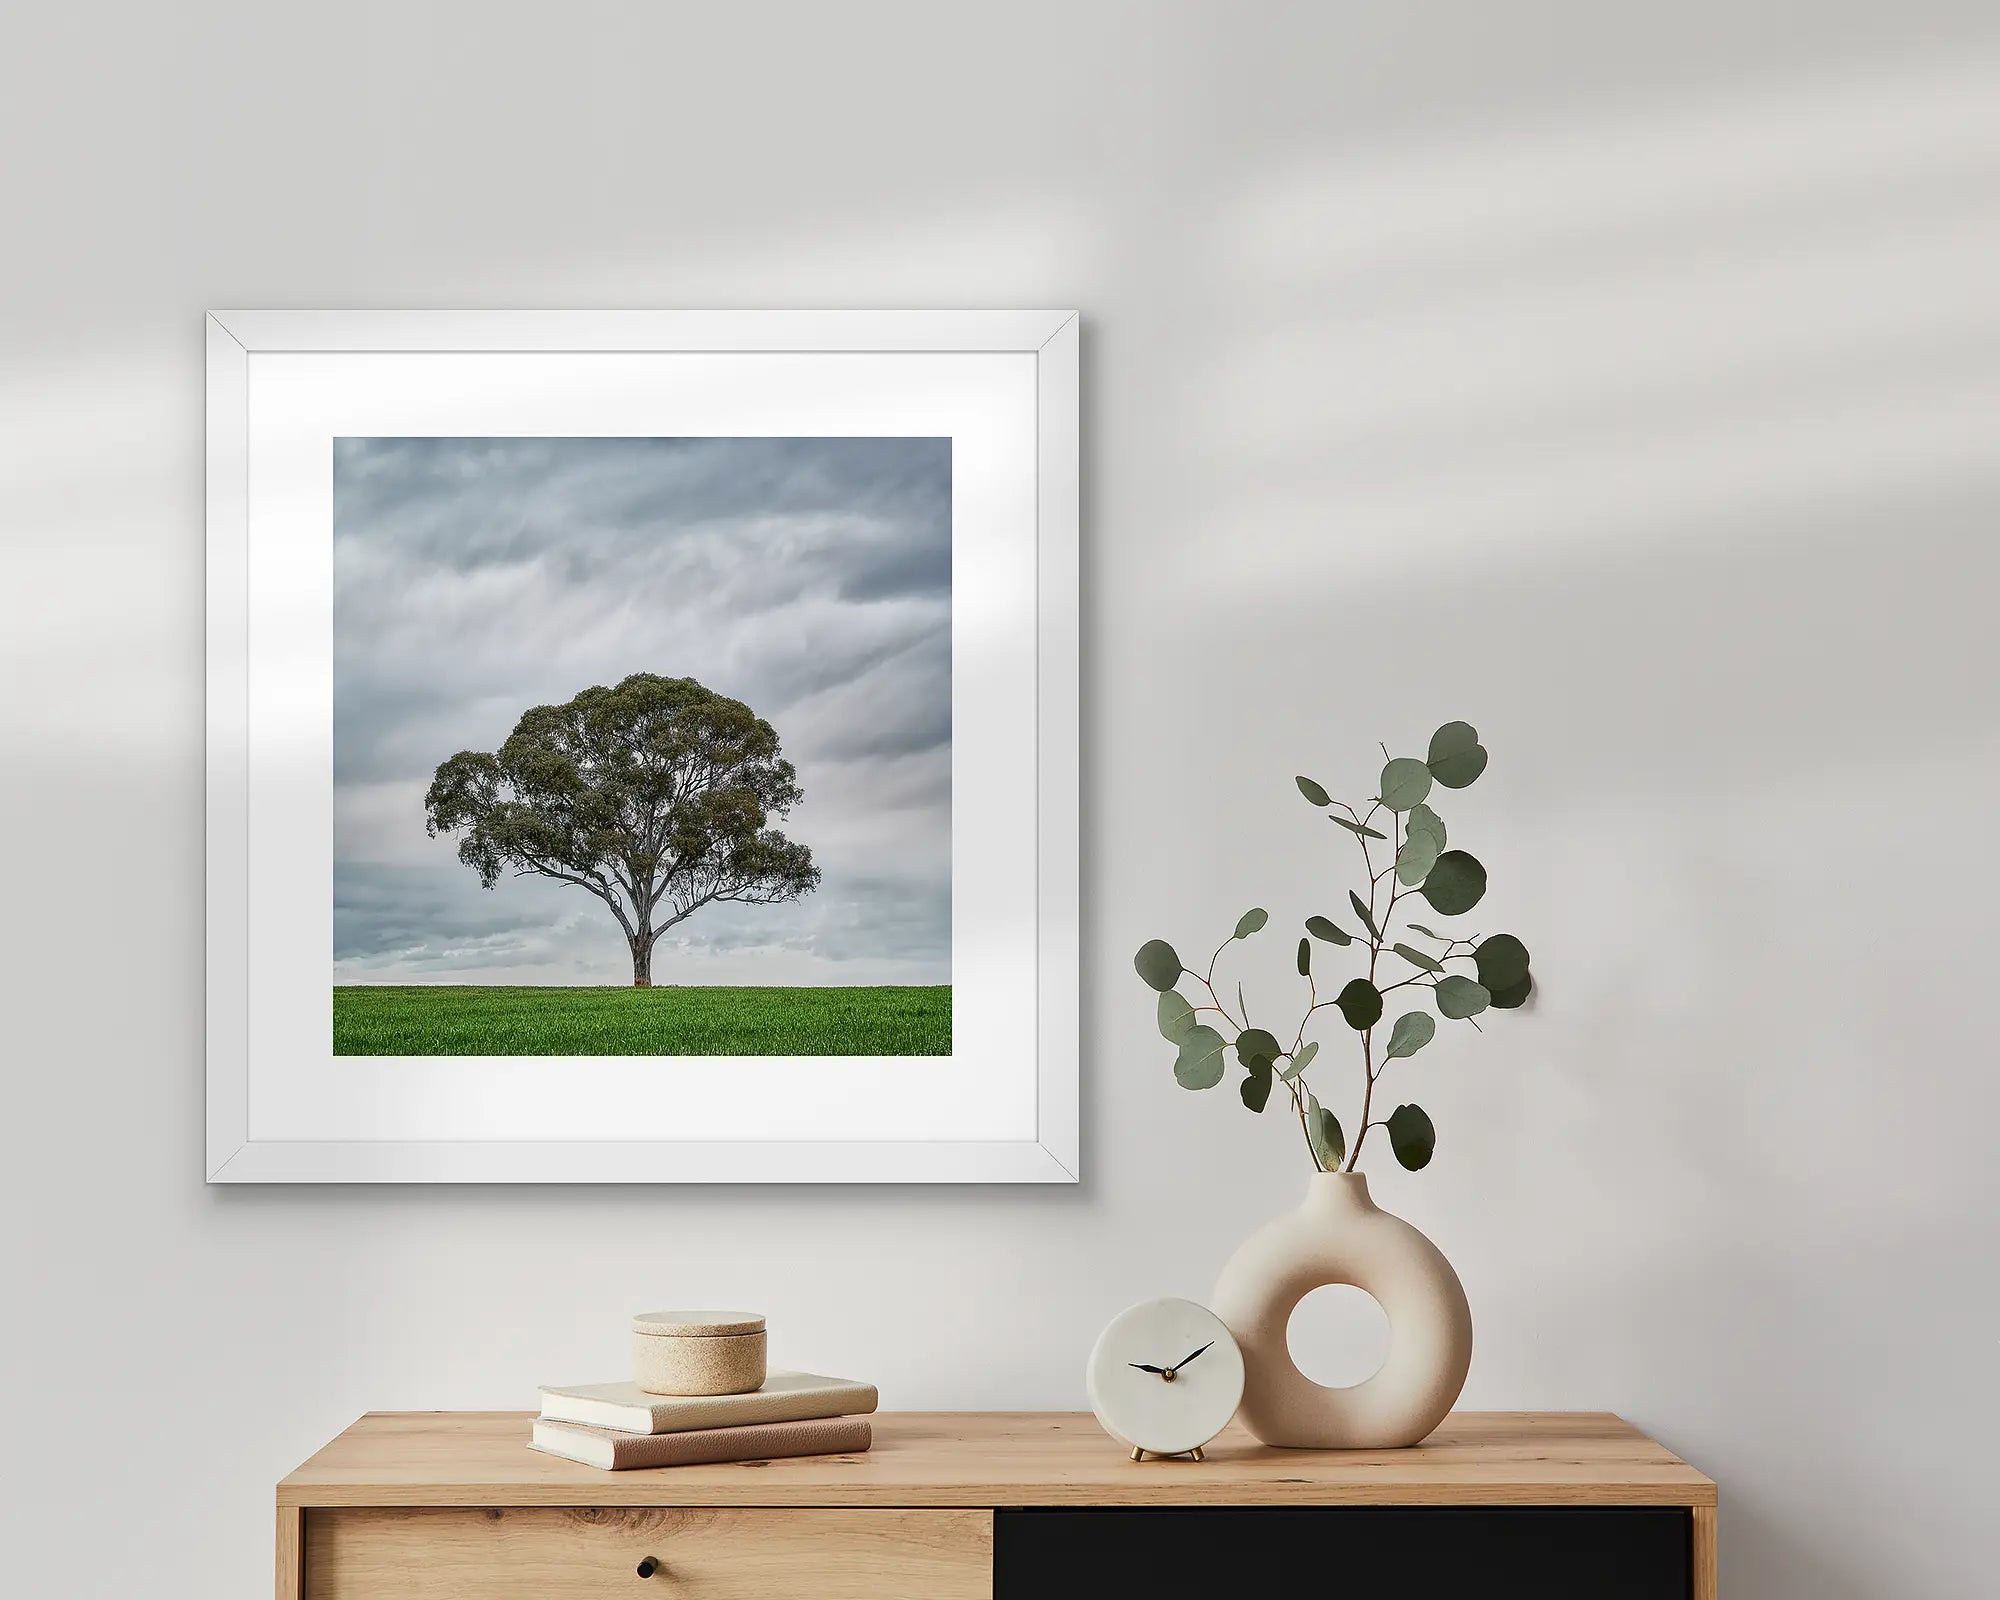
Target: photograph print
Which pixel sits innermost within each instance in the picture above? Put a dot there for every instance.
(642, 746)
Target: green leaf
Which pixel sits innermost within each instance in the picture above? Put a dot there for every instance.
(1356, 827)
(1502, 961)
(1320, 928)
(1415, 860)
(1428, 933)
(1456, 884)
(1424, 820)
(1412, 1137)
(1255, 1046)
(1313, 792)
(1459, 997)
(1417, 958)
(1361, 1004)
(1413, 1030)
(1157, 964)
(1361, 910)
(1305, 958)
(1199, 1065)
(1176, 1016)
(1516, 994)
(1456, 755)
(1405, 783)
(1256, 1089)
(1329, 1144)
(1301, 1061)
(1251, 921)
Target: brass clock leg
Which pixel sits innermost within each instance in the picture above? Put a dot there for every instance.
(1196, 1453)
(1138, 1454)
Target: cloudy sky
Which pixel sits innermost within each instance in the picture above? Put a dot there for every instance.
(810, 578)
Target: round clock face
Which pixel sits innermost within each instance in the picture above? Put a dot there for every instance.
(1165, 1376)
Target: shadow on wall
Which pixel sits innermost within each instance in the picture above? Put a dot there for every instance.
(1698, 388)
(1663, 447)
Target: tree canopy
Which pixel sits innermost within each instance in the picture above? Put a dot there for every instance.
(655, 796)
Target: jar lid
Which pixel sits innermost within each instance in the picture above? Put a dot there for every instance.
(697, 1324)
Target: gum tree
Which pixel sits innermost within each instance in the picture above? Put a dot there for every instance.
(654, 796)
(1404, 857)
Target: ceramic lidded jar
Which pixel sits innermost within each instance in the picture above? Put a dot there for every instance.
(1339, 1235)
(698, 1352)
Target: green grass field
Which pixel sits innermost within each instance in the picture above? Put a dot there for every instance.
(471, 1020)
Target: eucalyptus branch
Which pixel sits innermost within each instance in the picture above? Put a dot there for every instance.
(1305, 1127)
(1208, 978)
(1374, 955)
(1312, 1005)
(1418, 864)
(1216, 1000)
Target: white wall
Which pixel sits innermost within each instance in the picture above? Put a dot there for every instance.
(1622, 379)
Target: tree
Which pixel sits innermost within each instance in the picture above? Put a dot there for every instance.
(653, 796)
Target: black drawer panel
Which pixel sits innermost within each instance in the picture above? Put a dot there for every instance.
(1413, 1553)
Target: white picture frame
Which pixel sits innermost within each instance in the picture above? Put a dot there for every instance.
(256, 357)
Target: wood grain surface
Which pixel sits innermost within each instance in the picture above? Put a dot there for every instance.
(291, 1553)
(983, 1459)
(1702, 1557)
(706, 1554)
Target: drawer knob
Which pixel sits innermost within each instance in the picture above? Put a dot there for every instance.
(649, 1566)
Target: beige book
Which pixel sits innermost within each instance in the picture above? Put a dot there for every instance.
(763, 1441)
(785, 1397)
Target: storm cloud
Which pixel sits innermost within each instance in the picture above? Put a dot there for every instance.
(809, 578)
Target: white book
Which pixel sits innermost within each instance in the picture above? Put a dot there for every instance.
(785, 1397)
(760, 1441)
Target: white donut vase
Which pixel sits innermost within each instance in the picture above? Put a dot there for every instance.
(1339, 1235)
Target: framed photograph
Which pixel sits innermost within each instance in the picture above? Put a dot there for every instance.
(642, 747)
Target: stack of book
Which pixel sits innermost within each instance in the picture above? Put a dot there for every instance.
(619, 1425)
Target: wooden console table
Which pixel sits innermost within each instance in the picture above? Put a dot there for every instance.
(977, 1506)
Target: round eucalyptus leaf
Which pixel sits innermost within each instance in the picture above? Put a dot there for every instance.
(1412, 1137)
(1459, 997)
(1256, 1090)
(1455, 884)
(1305, 958)
(1361, 1004)
(1502, 961)
(1329, 1144)
(1417, 958)
(1255, 1046)
(1413, 1030)
(1320, 928)
(1367, 918)
(1357, 827)
(1405, 783)
(1456, 755)
(1251, 921)
(1515, 994)
(1415, 860)
(1176, 1016)
(1199, 1065)
(1301, 1061)
(1313, 792)
(1157, 964)
(1424, 820)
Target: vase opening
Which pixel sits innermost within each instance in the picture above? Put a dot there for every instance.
(1338, 1335)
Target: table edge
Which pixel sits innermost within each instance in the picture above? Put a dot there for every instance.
(1680, 1486)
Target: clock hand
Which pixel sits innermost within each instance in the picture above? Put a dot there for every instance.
(1144, 1367)
(1184, 1360)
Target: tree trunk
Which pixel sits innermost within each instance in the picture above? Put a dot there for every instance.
(642, 960)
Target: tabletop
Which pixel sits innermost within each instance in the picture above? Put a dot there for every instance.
(969, 1458)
